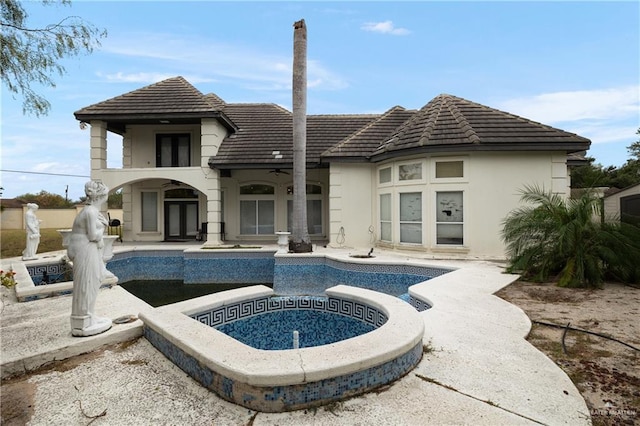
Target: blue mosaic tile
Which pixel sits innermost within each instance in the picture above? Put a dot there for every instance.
(148, 265)
(292, 397)
(268, 323)
(247, 308)
(50, 273)
(290, 275)
(419, 305)
(274, 330)
(229, 254)
(229, 270)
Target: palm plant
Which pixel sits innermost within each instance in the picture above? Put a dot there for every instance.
(551, 237)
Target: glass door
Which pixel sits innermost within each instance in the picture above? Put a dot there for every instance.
(181, 220)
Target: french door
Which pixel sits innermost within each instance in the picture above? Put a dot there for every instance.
(180, 220)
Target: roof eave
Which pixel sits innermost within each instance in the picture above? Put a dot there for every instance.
(118, 121)
(221, 165)
(428, 149)
(344, 159)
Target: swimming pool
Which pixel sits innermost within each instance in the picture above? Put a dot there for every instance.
(290, 274)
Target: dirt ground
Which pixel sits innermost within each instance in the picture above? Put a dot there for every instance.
(606, 372)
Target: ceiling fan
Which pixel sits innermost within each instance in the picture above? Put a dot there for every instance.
(278, 172)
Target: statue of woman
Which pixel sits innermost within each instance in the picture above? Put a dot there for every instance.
(85, 251)
(32, 225)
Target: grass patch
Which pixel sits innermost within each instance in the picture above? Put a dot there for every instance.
(13, 241)
(427, 348)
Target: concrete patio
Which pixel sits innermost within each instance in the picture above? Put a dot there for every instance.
(477, 367)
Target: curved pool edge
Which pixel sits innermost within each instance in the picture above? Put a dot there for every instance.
(284, 380)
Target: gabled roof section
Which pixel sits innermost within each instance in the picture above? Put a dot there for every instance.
(174, 100)
(267, 128)
(215, 101)
(360, 145)
(325, 131)
(449, 123)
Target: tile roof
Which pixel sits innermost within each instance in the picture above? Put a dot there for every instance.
(262, 129)
(446, 124)
(367, 139)
(174, 98)
(265, 128)
(452, 123)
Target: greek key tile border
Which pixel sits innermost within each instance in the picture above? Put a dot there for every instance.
(248, 308)
(419, 305)
(50, 269)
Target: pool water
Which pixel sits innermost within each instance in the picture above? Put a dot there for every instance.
(159, 293)
(274, 330)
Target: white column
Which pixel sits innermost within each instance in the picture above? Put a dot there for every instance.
(127, 216)
(213, 213)
(98, 145)
(212, 134)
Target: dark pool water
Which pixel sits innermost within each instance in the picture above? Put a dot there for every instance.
(159, 293)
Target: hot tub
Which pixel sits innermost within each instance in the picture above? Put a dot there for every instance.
(287, 379)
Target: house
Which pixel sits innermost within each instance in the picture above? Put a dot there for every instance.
(623, 204)
(439, 179)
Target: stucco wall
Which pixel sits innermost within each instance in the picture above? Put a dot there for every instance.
(143, 149)
(139, 173)
(351, 205)
(50, 218)
(495, 185)
(491, 188)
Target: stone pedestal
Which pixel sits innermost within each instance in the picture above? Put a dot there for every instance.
(87, 325)
(283, 242)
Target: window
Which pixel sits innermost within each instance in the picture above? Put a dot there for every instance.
(411, 171)
(257, 209)
(411, 217)
(149, 211)
(256, 217)
(314, 209)
(385, 217)
(256, 189)
(449, 169)
(173, 150)
(449, 218)
(630, 209)
(384, 175)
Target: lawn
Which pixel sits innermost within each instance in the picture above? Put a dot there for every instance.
(13, 241)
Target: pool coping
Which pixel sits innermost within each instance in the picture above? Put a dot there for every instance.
(403, 330)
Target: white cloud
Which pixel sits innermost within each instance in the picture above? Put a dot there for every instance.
(203, 61)
(385, 27)
(613, 103)
(602, 115)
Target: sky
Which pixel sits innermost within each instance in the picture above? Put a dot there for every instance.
(568, 64)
